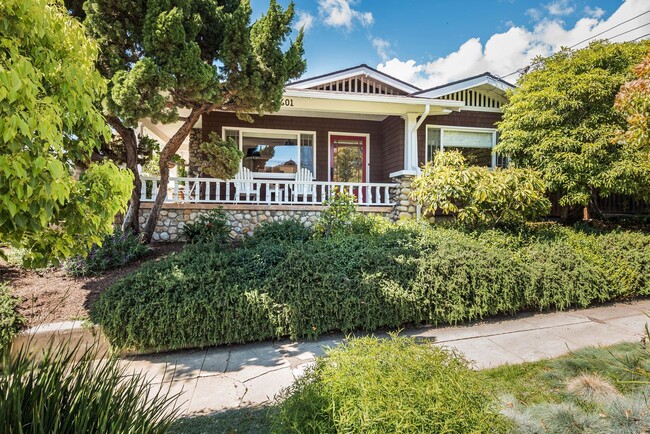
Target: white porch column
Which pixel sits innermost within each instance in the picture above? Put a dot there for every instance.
(410, 142)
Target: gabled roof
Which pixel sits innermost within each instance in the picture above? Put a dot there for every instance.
(481, 81)
(343, 74)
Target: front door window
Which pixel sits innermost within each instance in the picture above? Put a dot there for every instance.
(348, 159)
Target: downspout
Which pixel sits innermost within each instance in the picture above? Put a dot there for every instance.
(427, 108)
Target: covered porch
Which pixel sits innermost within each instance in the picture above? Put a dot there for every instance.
(318, 143)
(265, 191)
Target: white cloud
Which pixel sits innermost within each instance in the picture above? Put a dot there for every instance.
(305, 21)
(560, 7)
(594, 12)
(382, 46)
(339, 13)
(506, 52)
(534, 14)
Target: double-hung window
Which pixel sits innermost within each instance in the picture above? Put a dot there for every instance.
(476, 144)
(275, 153)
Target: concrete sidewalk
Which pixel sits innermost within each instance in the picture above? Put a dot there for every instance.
(243, 375)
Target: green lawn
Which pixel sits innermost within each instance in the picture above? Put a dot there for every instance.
(625, 366)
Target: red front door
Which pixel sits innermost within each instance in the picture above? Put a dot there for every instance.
(348, 159)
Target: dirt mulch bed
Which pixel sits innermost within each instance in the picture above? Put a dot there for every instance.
(50, 295)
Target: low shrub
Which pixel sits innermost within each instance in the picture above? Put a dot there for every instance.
(337, 218)
(371, 385)
(380, 276)
(11, 321)
(211, 227)
(291, 231)
(68, 391)
(117, 250)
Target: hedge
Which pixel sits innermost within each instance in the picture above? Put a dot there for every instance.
(376, 277)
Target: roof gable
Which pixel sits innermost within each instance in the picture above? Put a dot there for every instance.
(485, 81)
(359, 79)
(484, 91)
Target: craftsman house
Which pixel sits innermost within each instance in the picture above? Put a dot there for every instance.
(356, 129)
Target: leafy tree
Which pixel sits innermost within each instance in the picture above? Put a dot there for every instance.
(222, 157)
(561, 120)
(48, 122)
(478, 195)
(163, 56)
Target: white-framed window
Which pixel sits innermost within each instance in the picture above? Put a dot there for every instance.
(272, 153)
(475, 144)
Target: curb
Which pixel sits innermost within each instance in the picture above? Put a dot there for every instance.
(37, 339)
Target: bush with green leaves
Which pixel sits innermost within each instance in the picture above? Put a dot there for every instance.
(290, 230)
(66, 390)
(387, 276)
(478, 195)
(210, 227)
(338, 215)
(370, 385)
(117, 250)
(11, 321)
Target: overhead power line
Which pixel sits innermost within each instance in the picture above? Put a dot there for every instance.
(595, 36)
(611, 28)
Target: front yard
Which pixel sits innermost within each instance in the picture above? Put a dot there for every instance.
(592, 390)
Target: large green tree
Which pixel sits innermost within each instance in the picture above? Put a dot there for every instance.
(561, 120)
(49, 121)
(198, 55)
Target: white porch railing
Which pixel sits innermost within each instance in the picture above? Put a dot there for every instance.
(264, 191)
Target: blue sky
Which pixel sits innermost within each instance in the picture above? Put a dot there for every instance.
(431, 42)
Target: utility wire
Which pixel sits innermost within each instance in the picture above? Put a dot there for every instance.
(595, 36)
(640, 37)
(611, 28)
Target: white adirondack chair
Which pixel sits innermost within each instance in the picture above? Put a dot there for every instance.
(248, 189)
(304, 185)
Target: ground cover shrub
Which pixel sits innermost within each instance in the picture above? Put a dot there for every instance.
(283, 231)
(117, 250)
(69, 391)
(400, 385)
(11, 321)
(480, 196)
(210, 227)
(376, 276)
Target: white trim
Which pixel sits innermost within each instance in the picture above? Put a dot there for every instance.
(297, 133)
(471, 108)
(329, 151)
(442, 129)
(399, 99)
(403, 173)
(408, 88)
(467, 84)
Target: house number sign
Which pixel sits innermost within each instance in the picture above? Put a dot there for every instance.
(287, 102)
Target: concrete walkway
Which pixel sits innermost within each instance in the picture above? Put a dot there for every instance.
(243, 375)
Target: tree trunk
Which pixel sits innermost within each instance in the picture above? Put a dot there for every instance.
(132, 218)
(571, 214)
(168, 151)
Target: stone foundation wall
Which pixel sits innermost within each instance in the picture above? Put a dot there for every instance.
(243, 218)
